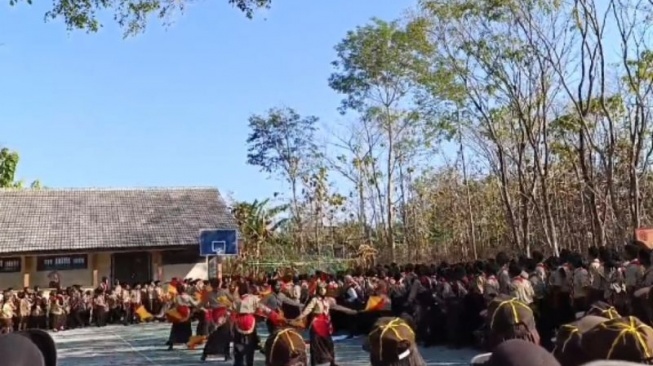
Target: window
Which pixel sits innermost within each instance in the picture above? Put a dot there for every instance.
(62, 262)
(184, 256)
(8, 265)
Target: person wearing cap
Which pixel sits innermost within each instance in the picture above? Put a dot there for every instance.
(508, 318)
(517, 352)
(321, 328)
(624, 339)
(285, 347)
(567, 349)
(31, 347)
(391, 342)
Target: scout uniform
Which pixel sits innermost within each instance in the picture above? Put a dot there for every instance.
(521, 289)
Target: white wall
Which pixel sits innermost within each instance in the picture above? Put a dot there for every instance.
(181, 271)
(14, 280)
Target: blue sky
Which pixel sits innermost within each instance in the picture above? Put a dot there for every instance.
(168, 107)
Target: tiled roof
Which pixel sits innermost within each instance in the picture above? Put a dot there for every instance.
(95, 219)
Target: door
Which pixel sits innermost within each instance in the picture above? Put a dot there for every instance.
(132, 267)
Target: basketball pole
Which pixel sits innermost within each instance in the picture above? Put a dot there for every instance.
(218, 267)
(208, 274)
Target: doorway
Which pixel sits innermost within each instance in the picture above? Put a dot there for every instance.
(131, 267)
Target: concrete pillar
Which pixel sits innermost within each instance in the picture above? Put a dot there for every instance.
(94, 262)
(26, 265)
(157, 265)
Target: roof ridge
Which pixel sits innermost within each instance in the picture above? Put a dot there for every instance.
(85, 189)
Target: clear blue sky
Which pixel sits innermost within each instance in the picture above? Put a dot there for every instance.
(169, 107)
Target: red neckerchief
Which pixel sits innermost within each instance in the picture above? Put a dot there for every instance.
(492, 277)
(518, 278)
(541, 265)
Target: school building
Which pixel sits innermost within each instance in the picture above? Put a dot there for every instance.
(82, 235)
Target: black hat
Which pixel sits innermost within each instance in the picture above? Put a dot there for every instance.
(28, 348)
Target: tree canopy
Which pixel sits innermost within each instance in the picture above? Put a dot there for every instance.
(479, 125)
(131, 15)
(8, 164)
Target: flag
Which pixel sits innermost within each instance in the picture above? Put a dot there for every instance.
(195, 341)
(143, 314)
(375, 303)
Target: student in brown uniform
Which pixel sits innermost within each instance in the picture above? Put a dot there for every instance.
(516, 352)
(392, 343)
(28, 348)
(623, 339)
(519, 287)
(580, 284)
(640, 307)
(285, 347)
(24, 310)
(633, 272)
(598, 282)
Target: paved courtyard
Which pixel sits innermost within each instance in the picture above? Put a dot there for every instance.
(144, 345)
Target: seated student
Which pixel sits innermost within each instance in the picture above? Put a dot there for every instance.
(392, 343)
(28, 348)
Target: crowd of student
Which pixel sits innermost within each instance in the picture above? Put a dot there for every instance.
(563, 304)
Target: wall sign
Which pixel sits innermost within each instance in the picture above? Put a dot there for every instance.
(62, 262)
(10, 265)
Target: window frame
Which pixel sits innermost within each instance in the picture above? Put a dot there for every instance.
(15, 269)
(70, 262)
(181, 256)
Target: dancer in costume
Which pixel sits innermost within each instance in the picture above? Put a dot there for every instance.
(219, 303)
(246, 340)
(276, 302)
(181, 329)
(317, 310)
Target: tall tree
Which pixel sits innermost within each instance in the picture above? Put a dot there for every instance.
(131, 15)
(283, 142)
(376, 69)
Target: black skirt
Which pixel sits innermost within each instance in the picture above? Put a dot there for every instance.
(202, 325)
(180, 333)
(218, 341)
(322, 349)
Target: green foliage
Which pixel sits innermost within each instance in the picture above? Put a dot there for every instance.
(278, 141)
(131, 15)
(258, 221)
(379, 56)
(8, 164)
